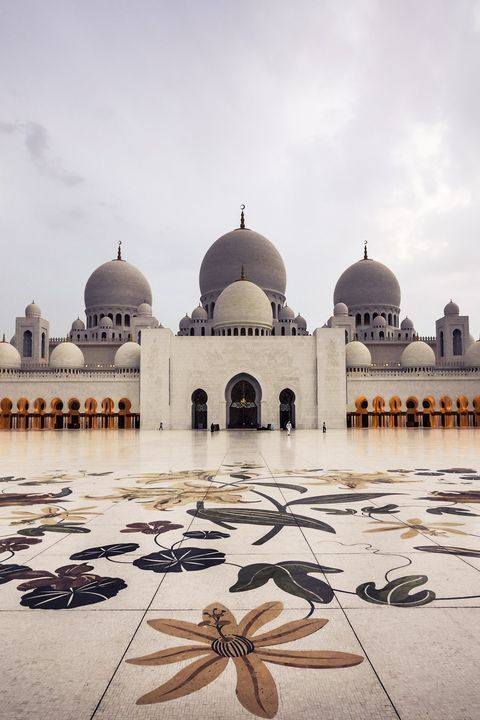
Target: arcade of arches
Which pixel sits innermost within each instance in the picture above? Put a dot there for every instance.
(67, 415)
(428, 412)
(243, 404)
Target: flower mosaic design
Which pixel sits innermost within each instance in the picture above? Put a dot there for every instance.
(183, 493)
(344, 478)
(16, 543)
(157, 527)
(175, 476)
(51, 515)
(416, 526)
(220, 639)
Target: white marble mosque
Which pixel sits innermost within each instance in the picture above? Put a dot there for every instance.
(242, 358)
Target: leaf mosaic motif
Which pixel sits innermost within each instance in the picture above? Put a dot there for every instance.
(397, 592)
(184, 559)
(105, 551)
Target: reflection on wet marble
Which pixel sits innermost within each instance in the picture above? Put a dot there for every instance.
(165, 574)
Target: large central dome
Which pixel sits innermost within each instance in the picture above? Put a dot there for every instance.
(367, 282)
(223, 262)
(115, 284)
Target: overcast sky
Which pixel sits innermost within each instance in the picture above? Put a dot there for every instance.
(150, 122)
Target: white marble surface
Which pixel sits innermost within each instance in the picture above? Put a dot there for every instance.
(419, 663)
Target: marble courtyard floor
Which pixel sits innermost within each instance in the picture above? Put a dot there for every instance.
(239, 575)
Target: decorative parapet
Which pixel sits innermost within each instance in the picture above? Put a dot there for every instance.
(388, 372)
(44, 373)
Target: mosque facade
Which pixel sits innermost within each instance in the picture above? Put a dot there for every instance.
(243, 358)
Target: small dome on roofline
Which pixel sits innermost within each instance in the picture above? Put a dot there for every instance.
(185, 322)
(379, 322)
(357, 354)
(199, 313)
(9, 356)
(128, 355)
(105, 322)
(78, 324)
(301, 322)
(340, 309)
(66, 355)
(407, 324)
(286, 313)
(451, 308)
(33, 310)
(144, 309)
(417, 354)
(472, 355)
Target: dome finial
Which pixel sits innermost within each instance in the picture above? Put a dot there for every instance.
(119, 252)
(365, 253)
(242, 217)
(242, 273)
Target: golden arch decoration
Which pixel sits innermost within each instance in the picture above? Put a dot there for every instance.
(428, 405)
(56, 410)
(22, 413)
(125, 420)
(412, 411)
(107, 412)
(39, 412)
(395, 411)
(6, 406)
(378, 404)
(462, 406)
(91, 413)
(476, 405)
(446, 411)
(361, 406)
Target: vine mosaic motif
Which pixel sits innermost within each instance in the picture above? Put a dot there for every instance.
(191, 521)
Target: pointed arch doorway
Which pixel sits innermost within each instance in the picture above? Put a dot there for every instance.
(243, 395)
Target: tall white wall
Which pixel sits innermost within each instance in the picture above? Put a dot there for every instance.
(174, 367)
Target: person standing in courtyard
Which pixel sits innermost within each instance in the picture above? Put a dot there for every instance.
(288, 427)
(324, 428)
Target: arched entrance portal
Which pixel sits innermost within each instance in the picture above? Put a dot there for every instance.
(243, 402)
(287, 407)
(199, 410)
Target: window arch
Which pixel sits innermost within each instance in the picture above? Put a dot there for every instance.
(358, 319)
(27, 343)
(44, 346)
(366, 319)
(118, 319)
(127, 321)
(457, 342)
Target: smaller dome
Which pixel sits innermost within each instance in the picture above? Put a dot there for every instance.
(9, 356)
(340, 309)
(33, 310)
(379, 322)
(472, 355)
(78, 324)
(357, 354)
(105, 322)
(451, 308)
(243, 303)
(286, 313)
(417, 354)
(301, 322)
(66, 355)
(144, 309)
(128, 355)
(199, 313)
(184, 323)
(407, 324)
